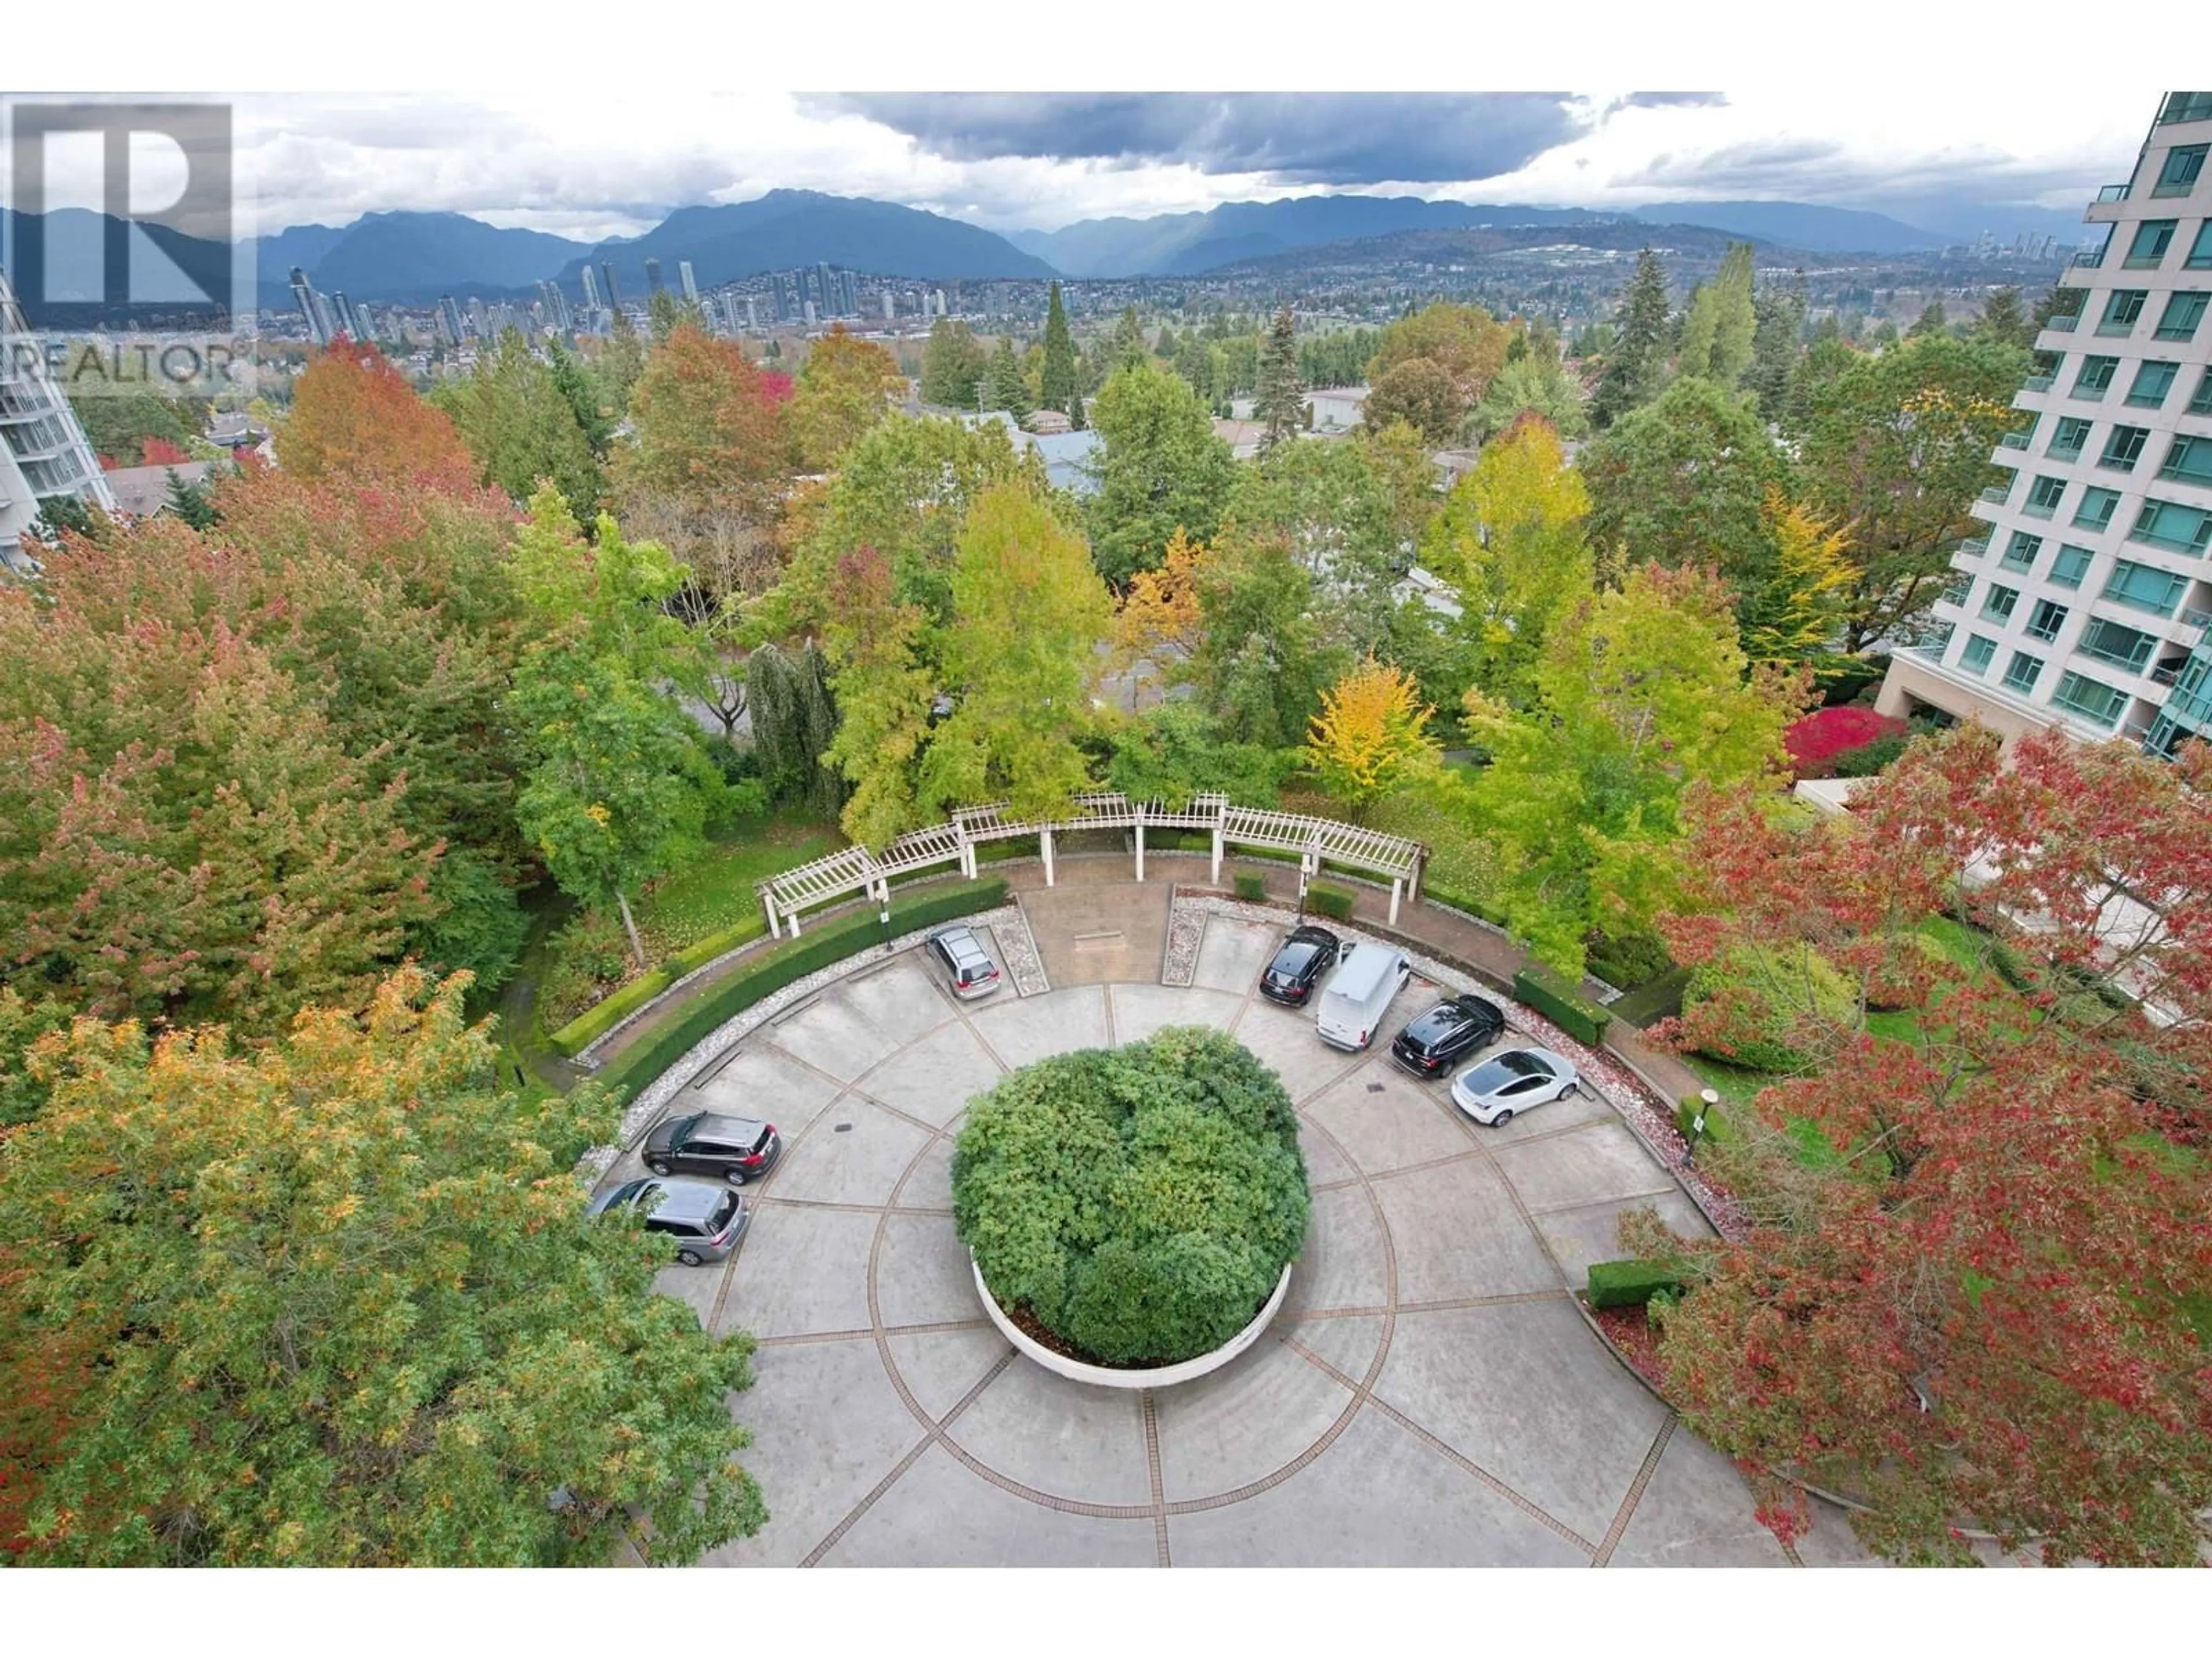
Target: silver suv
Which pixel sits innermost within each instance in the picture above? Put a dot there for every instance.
(967, 966)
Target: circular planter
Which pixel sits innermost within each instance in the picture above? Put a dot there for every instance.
(1110, 1376)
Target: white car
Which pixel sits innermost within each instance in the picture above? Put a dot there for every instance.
(1492, 1090)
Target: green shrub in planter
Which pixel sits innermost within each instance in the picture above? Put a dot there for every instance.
(608, 1012)
(694, 957)
(1745, 1006)
(1141, 1202)
(1333, 901)
(1251, 889)
(1633, 1284)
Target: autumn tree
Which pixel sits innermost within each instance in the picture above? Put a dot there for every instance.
(1161, 467)
(1371, 732)
(1422, 394)
(332, 1303)
(1020, 661)
(1640, 690)
(1796, 613)
(846, 386)
(712, 443)
(884, 686)
(1987, 1308)
(1280, 405)
(1898, 446)
(1509, 541)
(354, 415)
(1465, 341)
(1159, 618)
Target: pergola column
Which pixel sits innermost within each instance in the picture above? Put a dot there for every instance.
(1397, 884)
(1044, 841)
(768, 903)
(1140, 843)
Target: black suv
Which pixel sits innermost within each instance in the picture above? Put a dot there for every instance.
(737, 1149)
(1448, 1033)
(1305, 956)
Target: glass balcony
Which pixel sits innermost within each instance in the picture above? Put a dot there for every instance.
(1997, 492)
(2063, 321)
(2015, 439)
(2186, 106)
(2089, 257)
(2115, 192)
(1974, 548)
(2038, 383)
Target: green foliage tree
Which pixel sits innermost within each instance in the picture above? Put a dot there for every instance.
(1329, 505)
(1640, 690)
(1532, 384)
(119, 424)
(1020, 661)
(1060, 381)
(1161, 466)
(1280, 405)
(1262, 658)
(1125, 348)
(1198, 361)
(1780, 312)
(1635, 364)
(1175, 751)
(1684, 481)
(2003, 322)
(883, 688)
(1003, 387)
(521, 426)
(794, 722)
(1931, 320)
(953, 364)
(1898, 446)
(330, 1303)
(846, 386)
(1718, 331)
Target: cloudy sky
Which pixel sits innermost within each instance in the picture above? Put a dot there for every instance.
(1013, 159)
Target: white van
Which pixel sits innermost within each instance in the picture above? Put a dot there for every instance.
(1358, 993)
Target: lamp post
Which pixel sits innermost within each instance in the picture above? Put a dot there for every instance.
(1708, 1100)
(883, 915)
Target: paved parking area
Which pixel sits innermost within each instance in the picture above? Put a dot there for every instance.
(1428, 1395)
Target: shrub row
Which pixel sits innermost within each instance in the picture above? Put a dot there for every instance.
(1542, 989)
(608, 1012)
(1332, 901)
(1631, 1284)
(1251, 889)
(694, 957)
(781, 965)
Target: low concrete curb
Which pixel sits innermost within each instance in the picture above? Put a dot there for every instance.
(1108, 1377)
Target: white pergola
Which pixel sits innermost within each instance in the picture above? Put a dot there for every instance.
(856, 871)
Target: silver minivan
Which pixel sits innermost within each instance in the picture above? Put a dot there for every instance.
(967, 966)
(1357, 994)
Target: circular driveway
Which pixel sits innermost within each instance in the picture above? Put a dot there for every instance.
(1428, 1395)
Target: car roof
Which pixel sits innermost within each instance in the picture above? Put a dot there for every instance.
(712, 1125)
(684, 1200)
(1365, 970)
(1515, 1063)
(1310, 934)
(962, 944)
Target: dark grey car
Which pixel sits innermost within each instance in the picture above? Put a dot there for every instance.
(959, 955)
(705, 1219)
(738, 1149)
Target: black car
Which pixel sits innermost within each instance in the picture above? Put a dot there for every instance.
(737, 1149)
(1306, 955)
(1448, 1033)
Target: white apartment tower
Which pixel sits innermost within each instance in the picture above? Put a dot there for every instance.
(2086, 605)
(43, 449)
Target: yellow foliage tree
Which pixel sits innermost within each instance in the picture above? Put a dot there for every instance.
(1799, 610)
(1159, 615)
(1372, 730)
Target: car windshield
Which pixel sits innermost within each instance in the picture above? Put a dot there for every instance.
(722, 1213)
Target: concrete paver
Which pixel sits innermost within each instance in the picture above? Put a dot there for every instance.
(1499, 1430)
(1099, 935)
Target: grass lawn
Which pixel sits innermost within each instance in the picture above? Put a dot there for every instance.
(715, 890)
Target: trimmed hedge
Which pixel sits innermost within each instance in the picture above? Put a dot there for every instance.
(783, 964)
(1631, 1284)
(1251, 889)
(1140, 1202)
(694, 957)
(1331, 902)
(608, 1012)
(1542, 989)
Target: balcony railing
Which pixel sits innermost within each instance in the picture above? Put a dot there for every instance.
(1974, 547)
(2063, 322)
(2165, 673)
(2115, 192)
(1997, 492)
(2015, 439)
(2038, 383)
(2089, 257)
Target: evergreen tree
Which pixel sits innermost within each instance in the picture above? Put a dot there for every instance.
(1003, 385)
(1632, 369)
(1061, 385)
(1281, 404)
(1128, 346)
(953, 364)
(1719, 328)
(1165, 347)
(2003, 321)
(1780, 318)
(1931, 321)
(191, 502)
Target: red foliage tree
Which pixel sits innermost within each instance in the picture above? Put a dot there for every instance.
(354, 417)
(160, 452)
(1993, 1307)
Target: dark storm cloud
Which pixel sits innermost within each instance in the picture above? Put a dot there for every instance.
(1317, 138)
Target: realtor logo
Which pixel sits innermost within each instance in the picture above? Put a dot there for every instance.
(121, 215)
